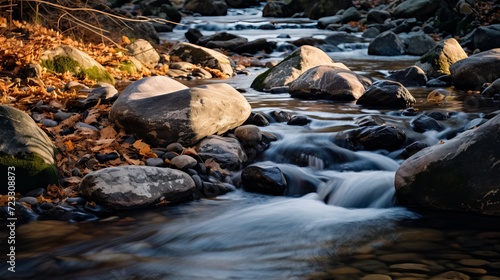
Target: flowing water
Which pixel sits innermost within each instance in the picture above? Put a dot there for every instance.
(349, 227)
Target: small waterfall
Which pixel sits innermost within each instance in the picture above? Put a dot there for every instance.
(373, 189)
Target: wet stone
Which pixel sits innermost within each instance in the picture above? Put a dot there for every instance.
(28, 200)
(344, 270)
(183, 162)
(400, 257)
(410, 267)
(473, 262)
(175, 147)
(473, 270)
(451, 275)
(48, 122)
(376, 277)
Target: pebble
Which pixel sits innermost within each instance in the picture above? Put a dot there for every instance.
(175, 147)
(473, 262)
(85, 126)
(249, 134)
(75, 200)
(183, 161)
(61, 116)
(376, 277)
(48, 122)
(29, 200)
(158, 162)
(410, 267)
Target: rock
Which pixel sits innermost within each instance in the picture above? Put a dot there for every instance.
(418, 43)
(371, 32)
(67, 58)
(248, 134)
(204, 56)
(265, 179)
(183, 162)
(386, 94)
(386, 43)
(226, 151)
(144, 52)
(438, 60)
(423, 123)
(26, 152)
(291, 67)
(222, 40)
(329, 82)
(31, 70)
(485, 37)
(474, 71)
(162, 111)
(377, 16)
(242, 3)
(492, 89)
(277, 9)
(412, 76)
(157, 162)
(137, 186)
(255, 46)
(193, 35)
(351, 14)
(325, 21)
(371, 138)
(323, 8)
(437, 95)
(206, 7)
(451, 275)
(416, 8)
(459, 175)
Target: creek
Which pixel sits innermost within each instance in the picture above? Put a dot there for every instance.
(349, 228)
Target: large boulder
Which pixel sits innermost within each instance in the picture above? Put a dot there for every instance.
(386, 43)
(386, 94)
(207, 7)
(418, 43)
(329, 82)
(438, 60)
(299, 61)
(162, 111)
(67, 58)
(26, 153)
(459, 175)
(416, 9)
(473, 72)
(137, 186)
(204, 56)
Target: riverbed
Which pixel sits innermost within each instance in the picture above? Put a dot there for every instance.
(348, 230)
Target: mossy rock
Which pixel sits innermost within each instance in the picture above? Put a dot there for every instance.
(128, 66)
(27, 149)
(29, 172)
(68, 59)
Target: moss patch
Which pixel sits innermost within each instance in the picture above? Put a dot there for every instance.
(128, 66)
(31, 172)
(62, 64)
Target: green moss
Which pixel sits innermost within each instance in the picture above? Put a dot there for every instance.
(96, 73)
(61, 64)
(128, 66)
(258, 82)
(30, 172)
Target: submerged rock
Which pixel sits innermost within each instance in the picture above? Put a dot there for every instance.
(329, 82)
(412, 76)
(371, 138)
(26, 153)
(386, 43)
(137, 186)
(459, 175)
(226, 151)
(264, 179)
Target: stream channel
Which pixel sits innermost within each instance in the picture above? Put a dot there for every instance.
(352, 229)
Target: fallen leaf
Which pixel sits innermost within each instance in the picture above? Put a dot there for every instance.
(144, 149)
(69, 145)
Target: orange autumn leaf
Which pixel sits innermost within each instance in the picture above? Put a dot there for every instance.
(144, 149)
(69, 145)
(108, 133)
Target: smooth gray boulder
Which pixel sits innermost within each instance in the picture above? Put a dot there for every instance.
(329, 82)
(137, 186)
(161, 110)
(438, 60)
(204, 56)
(299, 61)
(26, 152)
(476, 70)
(459, 175)
(417, 43)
